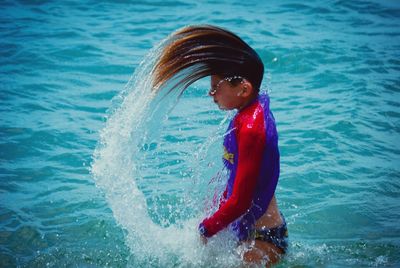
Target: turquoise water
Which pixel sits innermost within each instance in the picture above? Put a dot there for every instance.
(97, 173)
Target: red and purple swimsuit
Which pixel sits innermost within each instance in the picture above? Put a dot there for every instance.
(251, 156)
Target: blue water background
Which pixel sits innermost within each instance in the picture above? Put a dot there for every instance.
(333, 73)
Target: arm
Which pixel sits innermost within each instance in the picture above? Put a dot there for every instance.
(251, 143)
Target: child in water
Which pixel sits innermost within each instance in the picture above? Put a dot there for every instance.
(248, 206)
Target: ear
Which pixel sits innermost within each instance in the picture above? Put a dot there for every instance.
(246, 89)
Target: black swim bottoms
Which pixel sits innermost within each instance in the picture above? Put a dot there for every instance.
(277, 235)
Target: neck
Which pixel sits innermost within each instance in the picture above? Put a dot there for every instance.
(248, 101)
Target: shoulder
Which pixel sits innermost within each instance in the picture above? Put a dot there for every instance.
(250, 120)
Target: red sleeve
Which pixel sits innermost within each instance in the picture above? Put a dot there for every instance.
(251, 143)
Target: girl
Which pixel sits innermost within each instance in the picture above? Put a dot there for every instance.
(248, 206)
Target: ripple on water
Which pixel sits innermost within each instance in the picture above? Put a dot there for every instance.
(332, 71)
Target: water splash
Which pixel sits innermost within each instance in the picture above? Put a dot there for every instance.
(125, 150)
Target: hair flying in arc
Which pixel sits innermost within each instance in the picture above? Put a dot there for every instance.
(194, 52)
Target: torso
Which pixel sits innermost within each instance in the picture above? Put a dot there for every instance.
(249, 199)
(259, 114)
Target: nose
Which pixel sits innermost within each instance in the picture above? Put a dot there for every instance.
(211, 92)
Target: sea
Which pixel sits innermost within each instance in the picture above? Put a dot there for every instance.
(96, 170)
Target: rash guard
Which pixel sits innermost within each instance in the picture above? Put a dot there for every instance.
(251, 157)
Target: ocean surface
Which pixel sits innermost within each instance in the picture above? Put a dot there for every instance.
(97, 172)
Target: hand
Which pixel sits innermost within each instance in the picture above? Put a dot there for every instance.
(203, 239)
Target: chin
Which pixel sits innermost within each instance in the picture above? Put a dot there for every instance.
(223, 108)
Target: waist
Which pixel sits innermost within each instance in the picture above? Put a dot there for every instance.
(271, 218)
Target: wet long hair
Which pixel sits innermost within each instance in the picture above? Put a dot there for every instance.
(194, 52)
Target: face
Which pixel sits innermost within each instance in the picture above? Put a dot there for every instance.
(225, 95)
